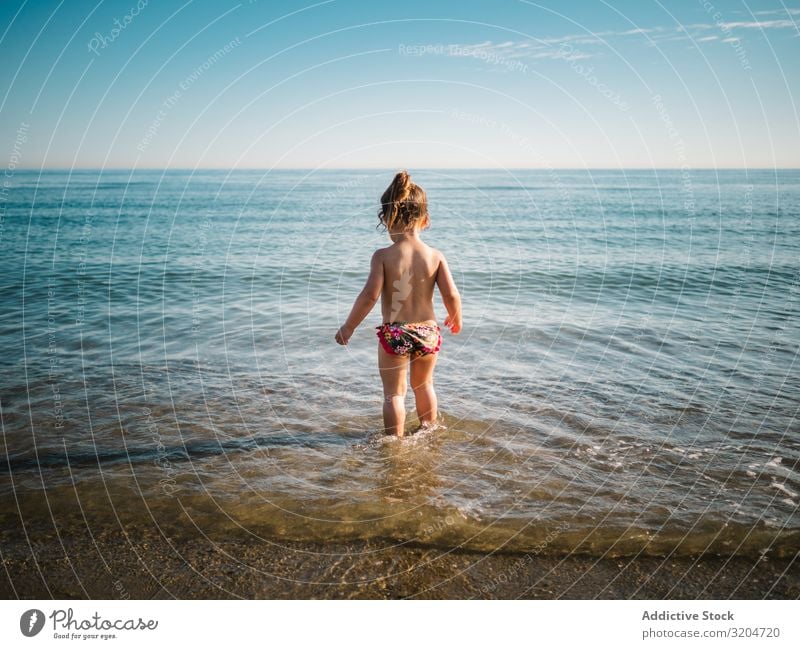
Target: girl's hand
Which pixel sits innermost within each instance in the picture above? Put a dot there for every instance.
(343, 335)
(452, 324)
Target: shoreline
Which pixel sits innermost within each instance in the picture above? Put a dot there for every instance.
(149, 566)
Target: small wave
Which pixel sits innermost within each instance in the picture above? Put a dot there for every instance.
(175, 453)
(783, 488)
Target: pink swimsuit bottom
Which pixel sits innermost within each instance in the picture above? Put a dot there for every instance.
(415, 338)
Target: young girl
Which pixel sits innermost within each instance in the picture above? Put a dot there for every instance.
(403, 275)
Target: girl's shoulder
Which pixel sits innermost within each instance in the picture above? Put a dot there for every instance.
(434, 252)
(382, 254)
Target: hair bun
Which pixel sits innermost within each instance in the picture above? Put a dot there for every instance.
(403, 203)
(402, 180)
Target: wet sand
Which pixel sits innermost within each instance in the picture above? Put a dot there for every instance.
(143, 565)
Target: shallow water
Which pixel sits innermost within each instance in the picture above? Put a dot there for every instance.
(626, 380)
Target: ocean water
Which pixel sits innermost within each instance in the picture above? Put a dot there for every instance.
(626, 380)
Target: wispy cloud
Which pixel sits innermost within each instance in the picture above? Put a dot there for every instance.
(566, 47)
(741, 24)
(760, 24)
(778, 12)
(553, 47)
(502, 53)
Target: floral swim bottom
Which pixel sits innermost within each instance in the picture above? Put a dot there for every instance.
(415, 338)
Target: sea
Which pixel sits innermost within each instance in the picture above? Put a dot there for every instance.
(626, 381)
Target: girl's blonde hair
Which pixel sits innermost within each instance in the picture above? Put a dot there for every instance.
(404, 205)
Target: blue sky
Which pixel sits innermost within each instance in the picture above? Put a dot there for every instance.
(345, 83)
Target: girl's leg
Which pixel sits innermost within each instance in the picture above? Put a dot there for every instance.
(422, 384)
(393, 370)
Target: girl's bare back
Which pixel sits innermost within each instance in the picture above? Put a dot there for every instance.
(410, 269)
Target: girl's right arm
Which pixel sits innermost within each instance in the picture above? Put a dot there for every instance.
(365, 300)
(450, 296)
